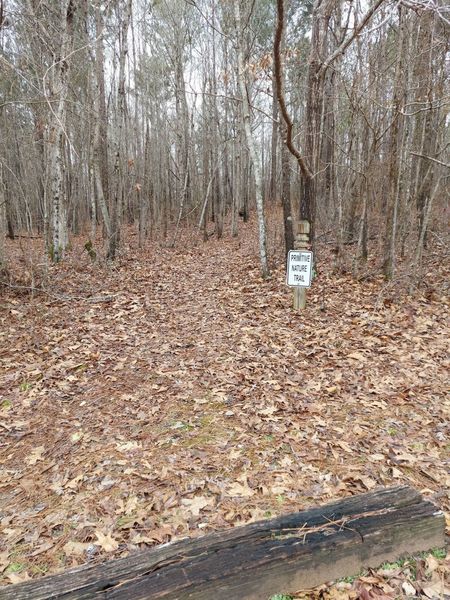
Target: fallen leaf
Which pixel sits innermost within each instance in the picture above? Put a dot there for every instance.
(127, 446)
(364, 594)
(396, 473)
(43, 548)
(344, 446)
(36, 455)
(196, 504)
(18, 577)
(76, 437)
(107, 542)
(75, 548)
(267, 412)
(377, 457)
(201, 401)
(437, 591)
(408, 588)
(240, 490)
(357, 356)
(432, 563)
(4, 560)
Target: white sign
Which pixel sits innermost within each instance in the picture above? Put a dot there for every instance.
(299, 268)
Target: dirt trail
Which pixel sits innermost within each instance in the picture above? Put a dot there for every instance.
(196, 400)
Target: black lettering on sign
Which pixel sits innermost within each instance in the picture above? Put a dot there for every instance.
(301, 267)
(299, 277)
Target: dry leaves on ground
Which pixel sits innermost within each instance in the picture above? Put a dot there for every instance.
(194, 399)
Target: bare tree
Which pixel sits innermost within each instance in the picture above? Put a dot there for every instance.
(131, 114)
(120, 164)
(251, 143)
(56, 136)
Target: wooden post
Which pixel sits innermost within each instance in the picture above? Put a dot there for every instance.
(301, 242)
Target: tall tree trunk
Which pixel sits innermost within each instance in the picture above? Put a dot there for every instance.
(424, 142)
(308, 182)
(100, 141)
(182, 159)
(145, 191)
(2, 223)
(237, 177)
(274, 144)
(313, 112)
(251, 143)
(120, 158)
(285, 156)
(286, 199)
(390, 238)
(55, 139)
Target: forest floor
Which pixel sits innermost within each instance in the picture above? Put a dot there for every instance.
(175, 393)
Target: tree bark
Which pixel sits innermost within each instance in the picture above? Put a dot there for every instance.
(57, 133)
(390, 238)
(100, 141)
(2, 223)
(251, 143)
(120, 159)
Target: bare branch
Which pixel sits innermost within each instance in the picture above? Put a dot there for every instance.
(346, 43)
(306, 171)
(439, 162)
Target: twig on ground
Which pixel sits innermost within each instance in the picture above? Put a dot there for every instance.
(92, 300)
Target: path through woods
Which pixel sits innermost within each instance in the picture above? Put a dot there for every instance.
(196, 399)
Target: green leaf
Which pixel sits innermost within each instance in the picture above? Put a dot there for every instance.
(15, 567)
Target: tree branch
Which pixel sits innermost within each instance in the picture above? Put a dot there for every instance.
(346, 43)
(306, 171)
(439, 162)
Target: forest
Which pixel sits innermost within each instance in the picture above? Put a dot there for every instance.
(158, 161)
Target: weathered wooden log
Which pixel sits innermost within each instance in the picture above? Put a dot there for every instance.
(253, 562)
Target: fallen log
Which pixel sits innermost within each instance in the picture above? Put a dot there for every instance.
(291, 552)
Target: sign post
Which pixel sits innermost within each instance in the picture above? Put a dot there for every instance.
(300, 264)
